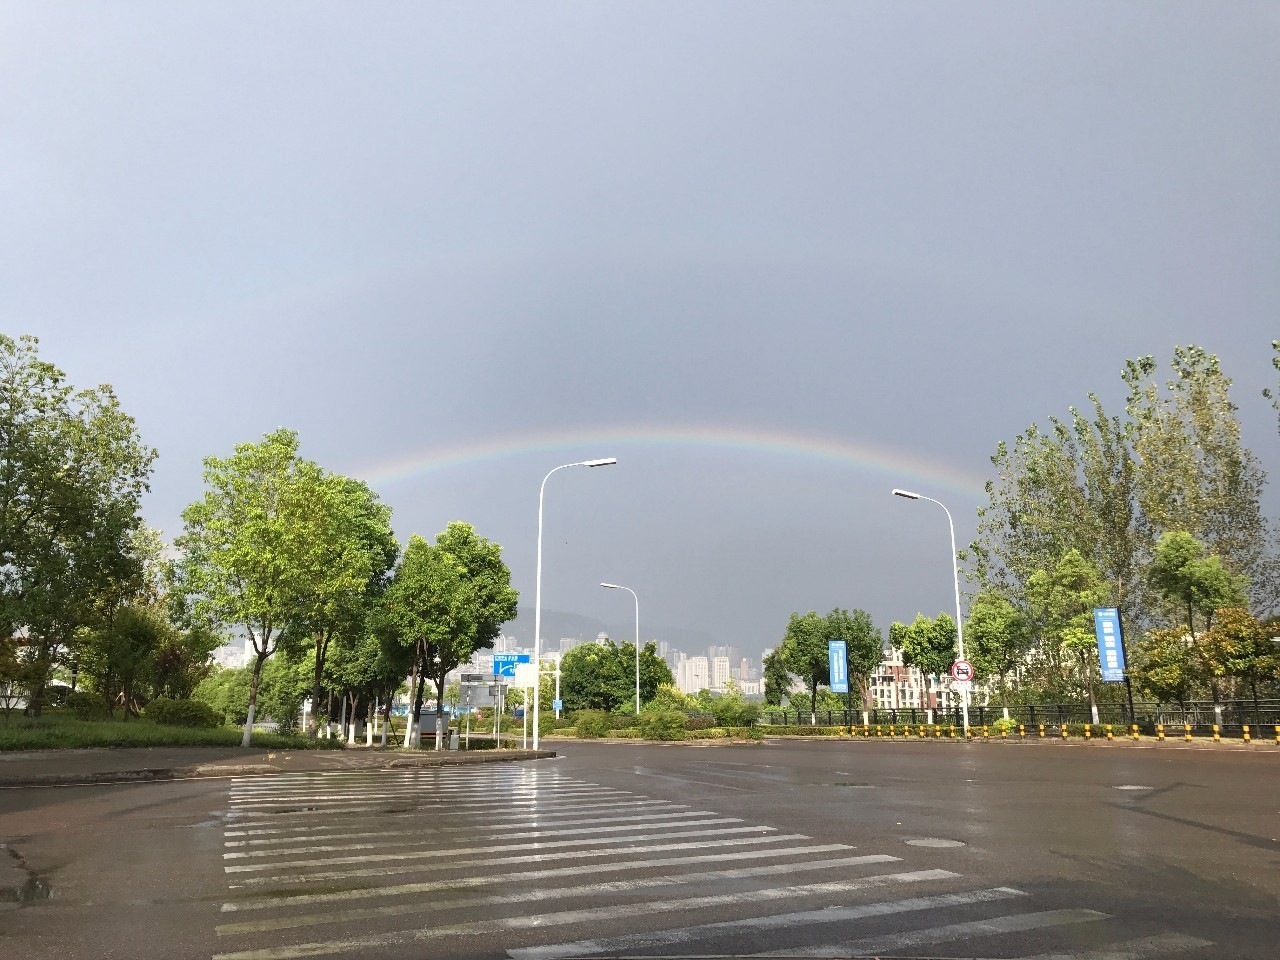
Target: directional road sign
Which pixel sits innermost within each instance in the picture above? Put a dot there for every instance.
(1106, 622)
(504, 664)
(962, 670)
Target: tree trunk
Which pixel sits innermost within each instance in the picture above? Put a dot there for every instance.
(813, 703)
(253, 699)
(322, 650)
(413, 685)
(440, 709)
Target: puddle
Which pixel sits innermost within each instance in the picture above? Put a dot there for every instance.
(933, 842)
(848, 786)
(32, 889)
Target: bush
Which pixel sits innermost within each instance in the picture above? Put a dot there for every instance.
(183, 713)
(699, 723)
(1005, 725)
(662, 725)
(624, 719)
(592, 724)
(807, 731)
(87, 706)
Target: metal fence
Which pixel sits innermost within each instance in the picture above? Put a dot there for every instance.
(1229, 715)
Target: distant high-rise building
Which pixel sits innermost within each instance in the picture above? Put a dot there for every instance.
(568, 643)
(719, 673)
(694, 674)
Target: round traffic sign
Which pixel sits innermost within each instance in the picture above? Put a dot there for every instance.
(962, 670)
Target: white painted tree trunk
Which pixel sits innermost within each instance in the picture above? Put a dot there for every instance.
(248, 726)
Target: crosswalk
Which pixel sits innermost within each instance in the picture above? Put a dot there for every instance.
(520, 861)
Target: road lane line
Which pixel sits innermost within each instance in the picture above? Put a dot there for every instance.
(500, 835)
(527, 824)
(523, 858)
(562, 893)
(1013, 923)
(278, 800)
(594, 914)
(514, 809)
(1157, 946)
(578, 870)
(495, 848)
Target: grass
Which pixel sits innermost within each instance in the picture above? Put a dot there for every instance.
(56, 730)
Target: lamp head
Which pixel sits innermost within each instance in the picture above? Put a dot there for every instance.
(611, 586)
(606, 462)
(906, 493)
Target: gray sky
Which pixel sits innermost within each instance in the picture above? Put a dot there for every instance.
(778, 258)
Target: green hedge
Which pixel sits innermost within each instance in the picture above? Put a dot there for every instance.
(85, 705)
(592, 724)
(662, 725)
(183, 713)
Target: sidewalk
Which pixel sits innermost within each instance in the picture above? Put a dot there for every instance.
(31, 768)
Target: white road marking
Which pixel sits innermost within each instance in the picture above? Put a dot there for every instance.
(782, 921)
(1157, 946)
(561, 893)
(593, 914)
(533, 875)
(390, 868)
(501, 835)
(1014, 923)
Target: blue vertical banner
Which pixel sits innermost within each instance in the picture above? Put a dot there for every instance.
(839, 666)
(1106, 622)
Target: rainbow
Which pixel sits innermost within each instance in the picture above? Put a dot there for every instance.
(897, 467)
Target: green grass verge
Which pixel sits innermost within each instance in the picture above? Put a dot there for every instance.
(55, 731)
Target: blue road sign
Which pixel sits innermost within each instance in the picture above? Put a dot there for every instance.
(1106, 622)
(504, 664)
(557, 704)
(839, 668)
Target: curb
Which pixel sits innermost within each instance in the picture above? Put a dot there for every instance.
(215, 771)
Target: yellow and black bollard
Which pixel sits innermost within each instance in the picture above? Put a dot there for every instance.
(1063, 728)
(951, 733)
(1022, 731)
(1246, 733)
(878, 732)
(1186, 731)
(922, 731)
(1216, 734)
(891, 731)
(1042, 731)
(1088, 731)
(937, 732)
(984, 732)
(1109, 732)
(1133, 732)
(1160, 732)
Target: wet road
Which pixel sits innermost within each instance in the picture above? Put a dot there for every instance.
(795, 848)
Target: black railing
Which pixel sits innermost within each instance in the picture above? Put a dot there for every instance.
(1230, 715)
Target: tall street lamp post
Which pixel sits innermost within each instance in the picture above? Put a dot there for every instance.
(537, 594)
(617, 586)
(955, 572)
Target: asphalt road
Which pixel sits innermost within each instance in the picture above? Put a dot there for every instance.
(796, 848)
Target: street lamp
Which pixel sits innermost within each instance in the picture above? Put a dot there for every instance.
(537, 594)
(955, 571)
(616, 586)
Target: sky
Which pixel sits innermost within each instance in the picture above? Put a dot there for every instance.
(777, 258)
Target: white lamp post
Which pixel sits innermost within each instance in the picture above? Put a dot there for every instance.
(617, 586)
(537, 593)
(955, 572)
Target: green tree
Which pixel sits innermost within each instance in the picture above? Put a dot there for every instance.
(1184, 573)
(119, 657)
(777, 678)
(227, 692)
(1062, 599)
(864, 649)
(1246, 648)
(351, 554)
(182, 661)
(997, 636)
(1274, 395)
(928, 645)
(249, 546)
(72, 472)
(804, 651)
(601, 676)
(1195, 474)
(1164, 667)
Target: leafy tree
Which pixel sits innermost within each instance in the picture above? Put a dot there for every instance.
(182, 661)
(804, 651)
(227, 692)
(351, 554)
(777, 678)
(250, 546)
(1062, 599)
(1274, 396)
(864, 649)
(284, 685)
(1195, 475)
(667, 697)
(445, 602)
(72, 472)
(928, 645)
(601, 676)
(1245, 647)
(997, 637)
(1164, 666)
(119, 658)
(1184, 573)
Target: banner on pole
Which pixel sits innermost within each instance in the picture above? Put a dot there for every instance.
(1106, 622)
(839, 668)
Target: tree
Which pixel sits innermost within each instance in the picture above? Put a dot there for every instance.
(864, 649)
(928, 645)
(601, 676)
(1246, 648)
(1164, 667)
(804, 651)
(777, 678)
(1184, 573)
(998, 637)
(1061, 600)
(72, 472)
(1195, 475)
(445, 602)
(250, 546)
(119, 657)
(182, 661)
(1274, 396)
(353, 550)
